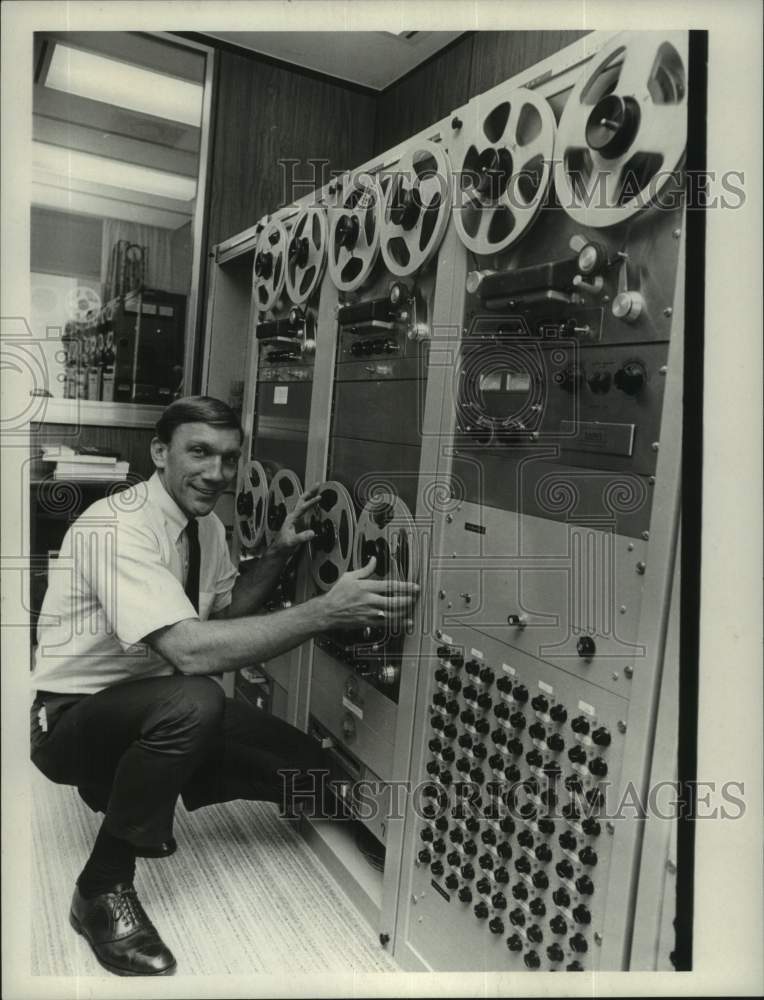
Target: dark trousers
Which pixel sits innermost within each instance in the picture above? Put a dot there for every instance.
(133, 748)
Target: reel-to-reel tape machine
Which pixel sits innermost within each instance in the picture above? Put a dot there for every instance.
(475, 342)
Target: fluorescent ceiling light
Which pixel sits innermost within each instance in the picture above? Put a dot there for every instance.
(115, 173)
(110, 81)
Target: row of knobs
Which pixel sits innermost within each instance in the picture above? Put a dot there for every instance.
(492, 868)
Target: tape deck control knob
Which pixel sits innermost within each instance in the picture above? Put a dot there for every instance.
(628, 306)
(631, 378)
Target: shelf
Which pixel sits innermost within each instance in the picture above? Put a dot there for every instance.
(92, 412)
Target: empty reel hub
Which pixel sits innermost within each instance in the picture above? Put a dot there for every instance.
(417, 206)
(505, 173)
(333, 521)
(306, 254)
(270, 265)
(251, 505)
(624, 128)
(283, 493)
(354, 233)
(386, 530)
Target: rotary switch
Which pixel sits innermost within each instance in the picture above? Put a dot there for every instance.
(546, 826)
(485, 701)
(540, 703)
(601, 737)
(532, 960)
(591, 827)
(577, 755)
(516, 719)
(449, 731)
(495, 761)
(564, 869)
(567, 841)
(569, 378)
(456, 836)
(468, 872)
(558, 924)
(483, 886)
(488, 836)
(520, 693)
(437, 722)
(512, 774)
(479, 750)
(507, 825)
(555, 953)
(454, 859)
(515, 942)
(631, 378)
(470, 848)
(574, 967)
(534, 759)
(482, 727)
(587, 856)
(517, 917)
(540, 880)
(454, 685)
(544, 855)
(535, 934)
(504, 684)
(599, 381)
(426, 835)
(520, 891)
(424, 857)
(537, 907)
(585, 885)
(558, 713)
(501, 875)
(499, 901)
(556, 743)
(437, 868)
(472, 667)
(525, 838)
(465, 895)
(586, 647)
(504, 851)
(451, 882)
(469, 693)
(598, 767)
(580, 725)
(573, 784)
(487, 675)
(486, 862)
(496, 925)
(537, 731)
(522, 866)
(579, 943)
(582, 915)
(481, 910)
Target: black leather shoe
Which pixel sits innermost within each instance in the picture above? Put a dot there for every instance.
(120, 933)
(163, 850)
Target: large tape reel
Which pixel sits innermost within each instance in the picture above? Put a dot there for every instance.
(505, 172)
(283, 493)
(354, 232)
(624, 128)
(306, 254)
(417, 207)
(251, 505)
(333, 521)
(386, 530)
(270, 265)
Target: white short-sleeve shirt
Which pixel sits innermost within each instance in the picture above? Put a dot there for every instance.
(119, 577)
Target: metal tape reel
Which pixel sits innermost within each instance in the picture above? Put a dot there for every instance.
(251, 505)
(386, 530)
(624, 128)
(270, 265)
(417, 207)
(306, 254)
(505, 173)
(82, 303)
(283, 493)
(333, 521)
(354, 232)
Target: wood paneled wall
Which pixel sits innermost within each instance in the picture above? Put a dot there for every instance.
(265, 114)
(472, 65)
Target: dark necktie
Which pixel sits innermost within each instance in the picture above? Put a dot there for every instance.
(194, 562)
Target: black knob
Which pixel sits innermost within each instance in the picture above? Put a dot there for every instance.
(591, 827)
(454, 859)
(567, 841)
(520, 890)
(558, 713)
(512, 773)
(444, 652)
(452, 707)
(456, 836)
(485, 701)
(465, 894)
(578, 943)
(481, 910)
(439, 846)
(465, 740)
(573, 783)
(501, 875)
(425, 857)
(469, 693)
(433, 767)
(437, 722)
(546, 826)
(520, 693)
(467, 717)
(564, 868)
(534, 759)
(585, 885)
(580, 725)
(482, 727)
(451, 882)
(570, 811)
(555, 953)
(535, 934)
(525, 838)
(556, 743)
(445, 778)
(598, 767)
(501, 711)
(558, 924)
(577, 754)
(454, 685)
(504, 850)
(507, 825)
(447, 754)
(486, 862)
(536, 731)
(439, 699)
(488, 836)
(449, 731)
(441, 675)
(495, 761)
(441, 823)
(515, 942)
(631, 378)
(487, 675)
(581, 915)
(515, 747)
(587, 856)
(537, 907)
(480, 751)
(426, 835)
(468, 872)
(574, 967)
(477, 776)
(532, 959)
(483, 885)
(549, 798)
(496, 925)
(543, 854)
(472, 824)
(522, 865)
(504, 684)
(540, 703)
(456, 660)
(437, 868)
(601, 737)
(517, 917)
(435, 745)
(599, 381)
(586, 647)
(499, 901)
(516, 719)
(472, 667)
(540, 879)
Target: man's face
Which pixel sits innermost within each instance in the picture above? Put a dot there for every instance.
(197, 465)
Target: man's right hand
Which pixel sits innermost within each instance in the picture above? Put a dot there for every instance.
(357, 599)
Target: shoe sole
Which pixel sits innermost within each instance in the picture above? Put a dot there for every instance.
(170, 971)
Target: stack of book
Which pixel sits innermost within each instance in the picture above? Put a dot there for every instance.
(85, 462)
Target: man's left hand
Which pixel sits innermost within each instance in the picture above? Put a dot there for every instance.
(293, 532)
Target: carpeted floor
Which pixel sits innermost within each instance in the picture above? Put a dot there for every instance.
(244, 894)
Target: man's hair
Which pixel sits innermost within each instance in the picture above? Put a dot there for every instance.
(197, 410)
